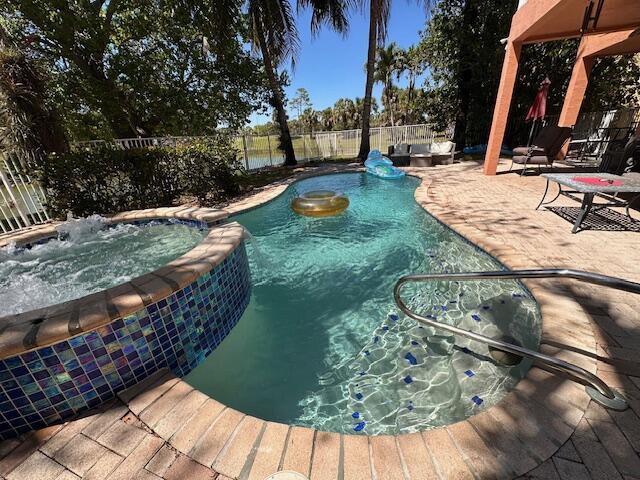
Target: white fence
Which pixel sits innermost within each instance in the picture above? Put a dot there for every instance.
(346, 143)
(22, 200)
(259, 151)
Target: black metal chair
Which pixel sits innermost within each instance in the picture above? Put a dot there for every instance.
(621, 156)
(544, 149)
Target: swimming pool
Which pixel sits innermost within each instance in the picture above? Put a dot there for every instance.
(321, 343)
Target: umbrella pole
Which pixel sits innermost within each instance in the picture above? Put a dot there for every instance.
(533, 125)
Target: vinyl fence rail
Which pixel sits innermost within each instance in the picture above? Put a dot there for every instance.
(260, 151)
(22, 199)
(346, 143)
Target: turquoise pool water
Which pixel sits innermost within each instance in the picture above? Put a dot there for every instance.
(321, 343)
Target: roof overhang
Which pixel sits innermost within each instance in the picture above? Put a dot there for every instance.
(546, 20)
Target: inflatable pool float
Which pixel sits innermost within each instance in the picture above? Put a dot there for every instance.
(380, 166)
(320, 203)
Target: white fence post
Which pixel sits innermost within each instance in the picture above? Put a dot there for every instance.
(10, 191)
(246, 153)
(304, 147)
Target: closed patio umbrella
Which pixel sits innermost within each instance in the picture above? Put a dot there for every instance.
(538, 109)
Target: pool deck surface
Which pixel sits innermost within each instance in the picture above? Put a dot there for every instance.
(546, 429)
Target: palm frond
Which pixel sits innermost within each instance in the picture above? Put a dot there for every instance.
(382, 22)
(279, 27)
(329, 12)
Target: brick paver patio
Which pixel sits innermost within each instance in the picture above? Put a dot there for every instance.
(147, 431)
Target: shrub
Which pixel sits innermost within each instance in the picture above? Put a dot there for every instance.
(108, 180)
(209, 170)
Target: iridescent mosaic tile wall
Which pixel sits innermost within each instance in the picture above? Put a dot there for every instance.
(52, 383)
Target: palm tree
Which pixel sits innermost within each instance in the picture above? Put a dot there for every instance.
(386, 67)
(412, 62)
(274, 34)
(378, 19)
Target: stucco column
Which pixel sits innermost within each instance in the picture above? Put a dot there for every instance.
(503, 103)
(575, 91)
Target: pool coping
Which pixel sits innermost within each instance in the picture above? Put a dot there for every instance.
(46, 326)
(506, 440)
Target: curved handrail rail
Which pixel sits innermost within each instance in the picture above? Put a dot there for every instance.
(607, 396)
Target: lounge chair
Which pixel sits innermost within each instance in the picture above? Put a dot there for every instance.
(603, 185)
(544, 149)
(399, 154)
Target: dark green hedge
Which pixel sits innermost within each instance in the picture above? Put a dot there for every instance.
(107, 180)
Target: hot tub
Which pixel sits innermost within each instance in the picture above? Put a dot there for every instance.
(59, 360)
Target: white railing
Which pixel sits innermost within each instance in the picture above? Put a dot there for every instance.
(22, 200)
(346, 143)
(259, 151)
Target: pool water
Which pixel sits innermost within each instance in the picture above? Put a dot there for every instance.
(321, 343)
(88, 256)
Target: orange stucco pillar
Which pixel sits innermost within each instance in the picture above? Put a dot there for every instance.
(503, 103)
(575, 92)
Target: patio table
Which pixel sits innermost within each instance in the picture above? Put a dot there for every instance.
(590, 185)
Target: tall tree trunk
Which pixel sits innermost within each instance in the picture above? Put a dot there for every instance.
(389, 100)
(464, 76)
(412, 82)
(368, 90)
(116, 112)
(278, 104)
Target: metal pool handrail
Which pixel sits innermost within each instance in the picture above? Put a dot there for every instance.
(596, 388)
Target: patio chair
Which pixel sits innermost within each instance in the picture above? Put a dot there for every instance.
(443, 153)
(420, 156)
(543, 150)
(621, 156)
(430, 154)
(399, 154)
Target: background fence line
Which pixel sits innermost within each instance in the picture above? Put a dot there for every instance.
(259, 151)
(22, 200)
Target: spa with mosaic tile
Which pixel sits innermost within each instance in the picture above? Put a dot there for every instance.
(59, 361)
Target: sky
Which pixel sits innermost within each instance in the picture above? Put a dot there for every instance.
(332, 67)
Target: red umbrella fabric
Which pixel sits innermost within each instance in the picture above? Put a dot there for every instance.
(538, 109)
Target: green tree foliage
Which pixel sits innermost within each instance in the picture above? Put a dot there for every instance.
(127, 68)
(388, 65)
(301, 102)
(345, 114)
(408, 104)
(106, 180)
(461, 46)
(379, 11)
(29, 128)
